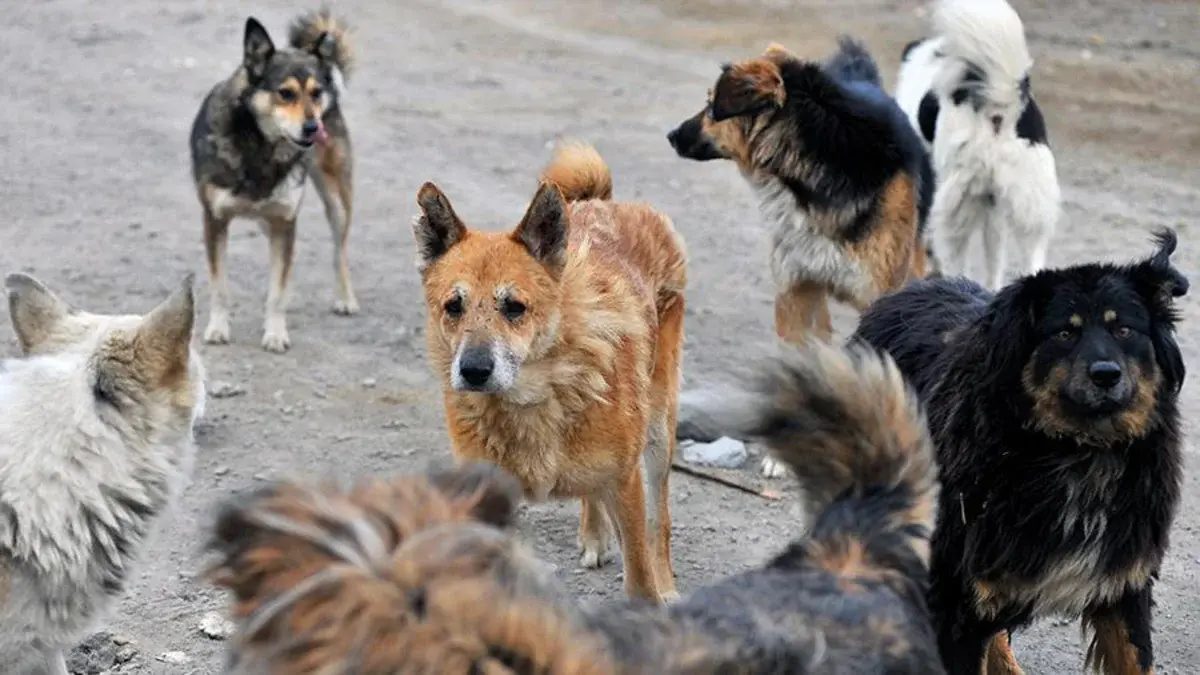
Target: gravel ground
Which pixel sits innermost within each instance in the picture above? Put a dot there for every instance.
(471, 93)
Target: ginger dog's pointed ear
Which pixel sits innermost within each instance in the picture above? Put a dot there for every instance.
(437, 228)
(495, 492)
(747, 87)
(543, 230)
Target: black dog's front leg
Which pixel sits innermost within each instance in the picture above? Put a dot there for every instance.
(1121, 642)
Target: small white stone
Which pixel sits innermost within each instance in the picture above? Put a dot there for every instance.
(177, 658)
(723, 453)
(217, 627)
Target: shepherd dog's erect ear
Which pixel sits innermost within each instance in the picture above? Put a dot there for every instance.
(746, 88)
(257, 48)
(495, 492)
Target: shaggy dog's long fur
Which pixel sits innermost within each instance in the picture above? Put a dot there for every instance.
(558, 345)
(95, 444)
(258, 137)
(1053, 405)
(422, 574)
(967, 90)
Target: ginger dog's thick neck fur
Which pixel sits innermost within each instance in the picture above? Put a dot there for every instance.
(590, 361)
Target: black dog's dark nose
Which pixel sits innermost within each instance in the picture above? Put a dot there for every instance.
(476, 366)
(310, 127)
(1105, 373)
(673, 138)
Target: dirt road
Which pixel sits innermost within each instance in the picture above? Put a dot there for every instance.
(470, 94)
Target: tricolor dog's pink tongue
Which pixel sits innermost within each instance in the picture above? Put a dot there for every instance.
(322, 135)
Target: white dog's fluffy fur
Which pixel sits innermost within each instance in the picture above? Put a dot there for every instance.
(96, 443)
(966, 90)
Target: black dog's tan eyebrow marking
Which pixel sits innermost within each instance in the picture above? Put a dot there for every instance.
(1076, 320)
(1110, 316)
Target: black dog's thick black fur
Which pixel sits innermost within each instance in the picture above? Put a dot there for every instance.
(1035, 519)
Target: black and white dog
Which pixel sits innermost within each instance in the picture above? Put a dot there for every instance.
(966, 89)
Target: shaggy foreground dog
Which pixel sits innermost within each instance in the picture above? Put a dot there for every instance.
(558, 346)
(95, 445)
(1053, 405)
(258, 137)
(422, 574)
(967, 90)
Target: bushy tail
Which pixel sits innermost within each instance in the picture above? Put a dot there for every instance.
(853, 63)
(309, 30)
(414, 575)
(987, 37)
(579, 172)
(852, 431)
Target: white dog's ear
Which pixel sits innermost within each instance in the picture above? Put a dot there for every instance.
(35, 310)
(164, 338)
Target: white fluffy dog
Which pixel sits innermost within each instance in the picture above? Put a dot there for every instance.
(966, 89)
(96, 442)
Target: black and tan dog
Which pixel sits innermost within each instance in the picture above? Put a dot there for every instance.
(423, 575)
(842, 179)
(257, 138)
(1053, 405)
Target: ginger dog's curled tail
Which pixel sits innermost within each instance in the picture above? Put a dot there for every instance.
(853, 432)
(579, 172)
(320, 32)
(414, 575)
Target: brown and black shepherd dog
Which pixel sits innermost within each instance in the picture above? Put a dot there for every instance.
(424, 574)
(258, 137)
(842, 179)
(558, 345)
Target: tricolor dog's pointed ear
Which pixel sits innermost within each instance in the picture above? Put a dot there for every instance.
(543, 230)
(747, 87)
(437, 228)
(258, 48)
(35, 310)
(494, 493)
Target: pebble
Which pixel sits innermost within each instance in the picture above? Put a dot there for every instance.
(369, 383)
(723, 453)
(177, 658)
(216, 627)
(221, 389)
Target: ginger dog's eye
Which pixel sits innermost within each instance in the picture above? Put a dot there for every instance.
(454, 308)
(512, 309)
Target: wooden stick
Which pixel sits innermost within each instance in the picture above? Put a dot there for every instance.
(765, 493)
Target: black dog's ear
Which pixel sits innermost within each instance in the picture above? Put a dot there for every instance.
(257, 48)
(1009, 327)
(496, 492)
(1159, 283)
(437, 228)
(1157, 279)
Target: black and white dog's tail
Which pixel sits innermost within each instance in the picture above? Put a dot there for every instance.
(986, 57)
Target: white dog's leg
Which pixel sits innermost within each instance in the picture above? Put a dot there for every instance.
(995, 243)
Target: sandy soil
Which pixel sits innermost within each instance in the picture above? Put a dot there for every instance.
(470, 93)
